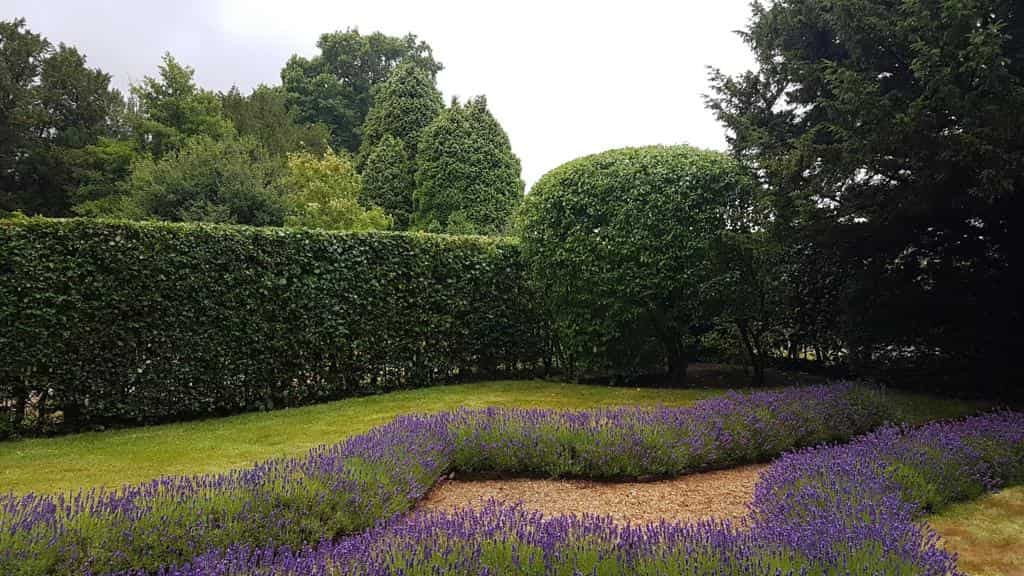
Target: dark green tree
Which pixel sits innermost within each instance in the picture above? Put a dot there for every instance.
(467, 178)
(336, 87)
(619, 246)
(264, 115)
(51, 103)
(888, 138)
(402, 106)
(171, 109)
(388, 180)
(228, 180)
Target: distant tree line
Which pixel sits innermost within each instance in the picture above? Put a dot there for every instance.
(335, 146)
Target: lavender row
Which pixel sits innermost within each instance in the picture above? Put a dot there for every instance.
(833, 510)
(349, 487)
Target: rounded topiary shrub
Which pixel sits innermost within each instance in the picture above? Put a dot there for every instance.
(618, 243)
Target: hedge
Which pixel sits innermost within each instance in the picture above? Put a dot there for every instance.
(109, 323)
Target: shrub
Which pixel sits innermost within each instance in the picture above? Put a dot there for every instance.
(828, 511)
(107, 323)
(618, 246)
(351, 486)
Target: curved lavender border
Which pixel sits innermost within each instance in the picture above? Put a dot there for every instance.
(348, 487)
(831, 510)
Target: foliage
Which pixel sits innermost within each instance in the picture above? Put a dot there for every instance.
(619, 246)
(133, 455)
(403, 106)
(746, 293)
(172, 109)
(829, 511)
(882, 135)
(264, 116)
(324, 193)
(107, 323)
(350, 486)
(467, 178)
(206, 180)
(52, 106)
(336, 87)
(102, 171)
(388, 180)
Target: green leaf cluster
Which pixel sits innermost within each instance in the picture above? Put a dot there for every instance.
(467, 178)
(619, 247)
(109, 323)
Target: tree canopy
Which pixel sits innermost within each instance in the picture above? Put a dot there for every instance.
(323, 192)
(205, 180)
(336, 87)
(51, 104)
(885, 138)
(172, 108)
(619, 246)
(388, 180)
(467, 178)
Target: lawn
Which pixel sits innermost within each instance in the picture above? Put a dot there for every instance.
(987, 533)
(118, 457)
(125, 456)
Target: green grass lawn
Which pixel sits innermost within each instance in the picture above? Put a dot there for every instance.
(117, 457)
(987, 533)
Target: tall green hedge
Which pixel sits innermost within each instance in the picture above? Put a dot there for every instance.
(108, 323)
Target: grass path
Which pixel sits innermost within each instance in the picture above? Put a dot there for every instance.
(132, 455)
(987, 533)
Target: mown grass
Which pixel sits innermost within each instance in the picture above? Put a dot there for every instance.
(117, 457)
(132, 455)
(987, 534)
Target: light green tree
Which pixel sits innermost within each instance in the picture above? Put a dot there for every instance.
(323, 192)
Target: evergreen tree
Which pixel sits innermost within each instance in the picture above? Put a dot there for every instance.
(467, 178)
(388, 180)
(403, 106)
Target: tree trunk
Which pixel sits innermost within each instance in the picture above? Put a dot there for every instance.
(756, 361)
(677, 363)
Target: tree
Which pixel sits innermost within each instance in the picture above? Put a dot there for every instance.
(101, 171)
(402, 106)
(52, 105)
(746, 292)
(264, 115)
(388, 180)
(335, 88)
(324, 193)
(172, 109)
(228, 180)
(467, 178)
(886, 148)
(619, 247)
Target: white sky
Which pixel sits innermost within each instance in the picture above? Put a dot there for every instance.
(565, 78)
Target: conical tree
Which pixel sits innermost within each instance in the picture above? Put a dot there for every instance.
(403, 106)
(388, 180)
(467, 178)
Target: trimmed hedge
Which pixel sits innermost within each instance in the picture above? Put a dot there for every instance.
(107, 323)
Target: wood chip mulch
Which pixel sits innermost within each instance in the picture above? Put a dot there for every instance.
(721, 494)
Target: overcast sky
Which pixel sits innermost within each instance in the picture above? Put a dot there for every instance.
(565, 78)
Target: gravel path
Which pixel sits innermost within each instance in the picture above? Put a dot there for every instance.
(722, 494)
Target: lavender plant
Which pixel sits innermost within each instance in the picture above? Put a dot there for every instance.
(832, 510)
(349, 487)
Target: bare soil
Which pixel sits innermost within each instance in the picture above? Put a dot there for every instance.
(721, 494)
